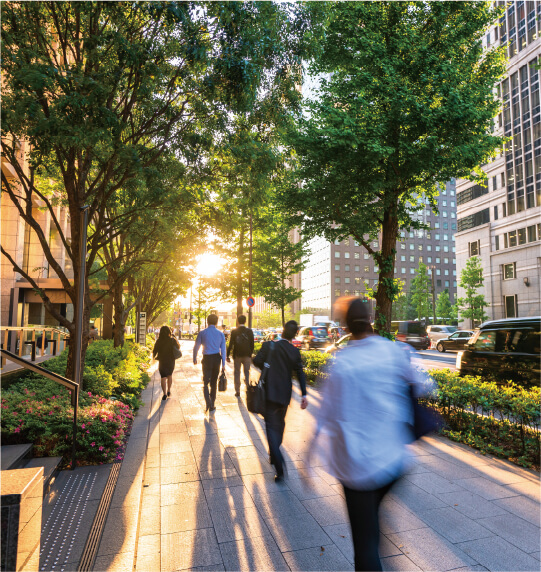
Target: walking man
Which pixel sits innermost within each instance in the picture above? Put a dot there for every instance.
(242, 346)
(282, 358)
(213, 342)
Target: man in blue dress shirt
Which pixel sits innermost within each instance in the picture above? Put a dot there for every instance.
(213, 342)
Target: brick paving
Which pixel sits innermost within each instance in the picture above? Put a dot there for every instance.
(196, 492)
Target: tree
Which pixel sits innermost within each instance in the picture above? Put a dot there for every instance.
(472, 305)
(101, 90)
(421, 292)
(204, 299)
(444, 308)
(276, 260)
(268, 319)
(405, 102)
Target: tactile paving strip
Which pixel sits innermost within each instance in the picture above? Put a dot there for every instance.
(61, 528)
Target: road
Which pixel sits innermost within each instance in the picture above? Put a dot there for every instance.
(433, 359)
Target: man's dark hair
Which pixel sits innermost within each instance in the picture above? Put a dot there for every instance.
(290, 330)
(242, 319)
(358, 317)
(212, 320)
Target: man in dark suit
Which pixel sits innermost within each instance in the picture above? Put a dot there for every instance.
(282, 359)
(242, 345)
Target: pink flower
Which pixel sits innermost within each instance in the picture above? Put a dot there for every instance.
(90, 393)
(93, 444)
(118, 443)
(50, 413)
(17, 429)
(100, 448)
(83, 426)
(87, 431)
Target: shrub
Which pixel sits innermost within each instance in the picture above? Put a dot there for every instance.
(314, 365)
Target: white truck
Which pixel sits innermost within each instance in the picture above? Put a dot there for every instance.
(312, 320)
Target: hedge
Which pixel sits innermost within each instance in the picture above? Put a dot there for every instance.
(38, 410)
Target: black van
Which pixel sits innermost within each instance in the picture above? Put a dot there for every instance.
(504, 350)
(411, 332)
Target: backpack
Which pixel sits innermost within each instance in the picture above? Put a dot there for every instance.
(243, 346)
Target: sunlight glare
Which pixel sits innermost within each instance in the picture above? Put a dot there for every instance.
(208, 264)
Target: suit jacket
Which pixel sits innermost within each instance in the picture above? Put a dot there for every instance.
(285, 359)
(232, 345)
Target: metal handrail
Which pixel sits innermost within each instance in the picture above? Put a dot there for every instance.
(22, 330)
(71, 385)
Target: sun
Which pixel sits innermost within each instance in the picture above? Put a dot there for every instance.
(208, 264)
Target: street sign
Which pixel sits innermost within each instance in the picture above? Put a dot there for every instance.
(142, 328)
(250, 301)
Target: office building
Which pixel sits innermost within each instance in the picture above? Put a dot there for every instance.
(500, 221)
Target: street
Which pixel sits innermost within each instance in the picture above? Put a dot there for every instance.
(434, 359)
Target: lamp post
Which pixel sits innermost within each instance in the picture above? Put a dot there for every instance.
(433, 293)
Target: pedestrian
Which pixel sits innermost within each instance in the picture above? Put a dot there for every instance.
(40, 343)
(163, 350)
(213, 342)
(93, 334)
(282, 358)
(365, 408)
(241, 344)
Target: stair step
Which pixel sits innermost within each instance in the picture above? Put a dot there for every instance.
(15, 456)
(50, 469)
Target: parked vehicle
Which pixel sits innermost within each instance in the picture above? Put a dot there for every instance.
(275, 336)
(313, 337)
(440, 331)
(504, 350)
(411, 332)
(258, 335)
(339, 344)
(455, 341)
(336, 333)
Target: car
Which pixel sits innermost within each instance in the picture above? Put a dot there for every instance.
(440, 331)
(275, 336)
(313, 337)
(411, 332)
(258, 335)
(455, 341)
(339, 344)
(504, 350)
(336, 332)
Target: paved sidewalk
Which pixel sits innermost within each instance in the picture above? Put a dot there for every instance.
(196, 493)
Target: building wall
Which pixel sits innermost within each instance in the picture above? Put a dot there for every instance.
(499, 221)
(316, 277)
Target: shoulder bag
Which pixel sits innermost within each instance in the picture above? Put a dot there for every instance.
(177, 354)
(255, 394)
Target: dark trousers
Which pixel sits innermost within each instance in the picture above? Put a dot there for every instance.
(363, 508)
(275, 423)
(211, 370)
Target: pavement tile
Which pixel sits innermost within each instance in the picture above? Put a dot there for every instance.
(472, 505)
(515, 530)
(179, 474)
(297, 532)
(432, 483)
(222, 482)
(429, 550)
(278, 504)
(173, 428)
(253, 554)
(118, 562)
(453, 525)
(414, 498)
(149, 544)
(486, 488)
(502, 476)
(310, 488)
(228, 498)
(399, 563)
(318, 558)
(182, 493)
(263, 483)
(177, 459)
(340, 534)
(522, 506)
(528, 489)
(394, 517)
(323, 472)
(450, 469)
(245, 522)
(245, 452)
(218, 473)
(252, 466)
(190, 549)
(328, 510)
(497, 554)
(119, 532)
(174, 445)
(150, 522)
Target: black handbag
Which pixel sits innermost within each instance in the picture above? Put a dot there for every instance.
(177, 354)
(425, 419)
(255, 394)
(222, 382)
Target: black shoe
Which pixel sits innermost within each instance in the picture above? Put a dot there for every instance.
(278, 478)
(164, 397)
(168, 394)
(213, 410)
(237, 394)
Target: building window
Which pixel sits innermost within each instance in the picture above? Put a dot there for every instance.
(357, 255)
(429, 247)
(438, 259)
(445, 248)
(474, 248)
(438, 283)
(447, 283)
(412, 246)
(375, 244)
(337, 279)
(346, 254)
(336, 254)
(403, 270)
(473, 220)
(337, 293)
(420, 247)
(357, 293)
(496, 212)
(446, 261)
(497, 242)
(429, 260)
(510, 306)
(446, 272)
(512, 238)
(356, 243)
(357, 268)
(438, 272)
(522, 236)
(438, 248)
(402, 246)
(366, 256)
(531, 233)
(347, 280)
(346, 267)
(367, 268)
(412, 270)
(509, 271)
(445, 237)
(412, 258)
(436, 225)
(357, 280)
(376, 269)
(403, 258)
(337, 266)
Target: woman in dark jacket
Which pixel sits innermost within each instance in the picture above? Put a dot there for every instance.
(163, 350)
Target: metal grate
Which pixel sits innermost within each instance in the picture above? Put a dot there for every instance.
(90, 550)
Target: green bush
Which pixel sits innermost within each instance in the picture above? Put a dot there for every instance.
(314, 365)
(500, 420)
(257, 346)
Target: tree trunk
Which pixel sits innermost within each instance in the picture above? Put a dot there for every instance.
(240, 265)
(386, 260)
(119, 314)
(70, 365)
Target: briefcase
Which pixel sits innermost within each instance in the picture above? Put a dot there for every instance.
(222, 382)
